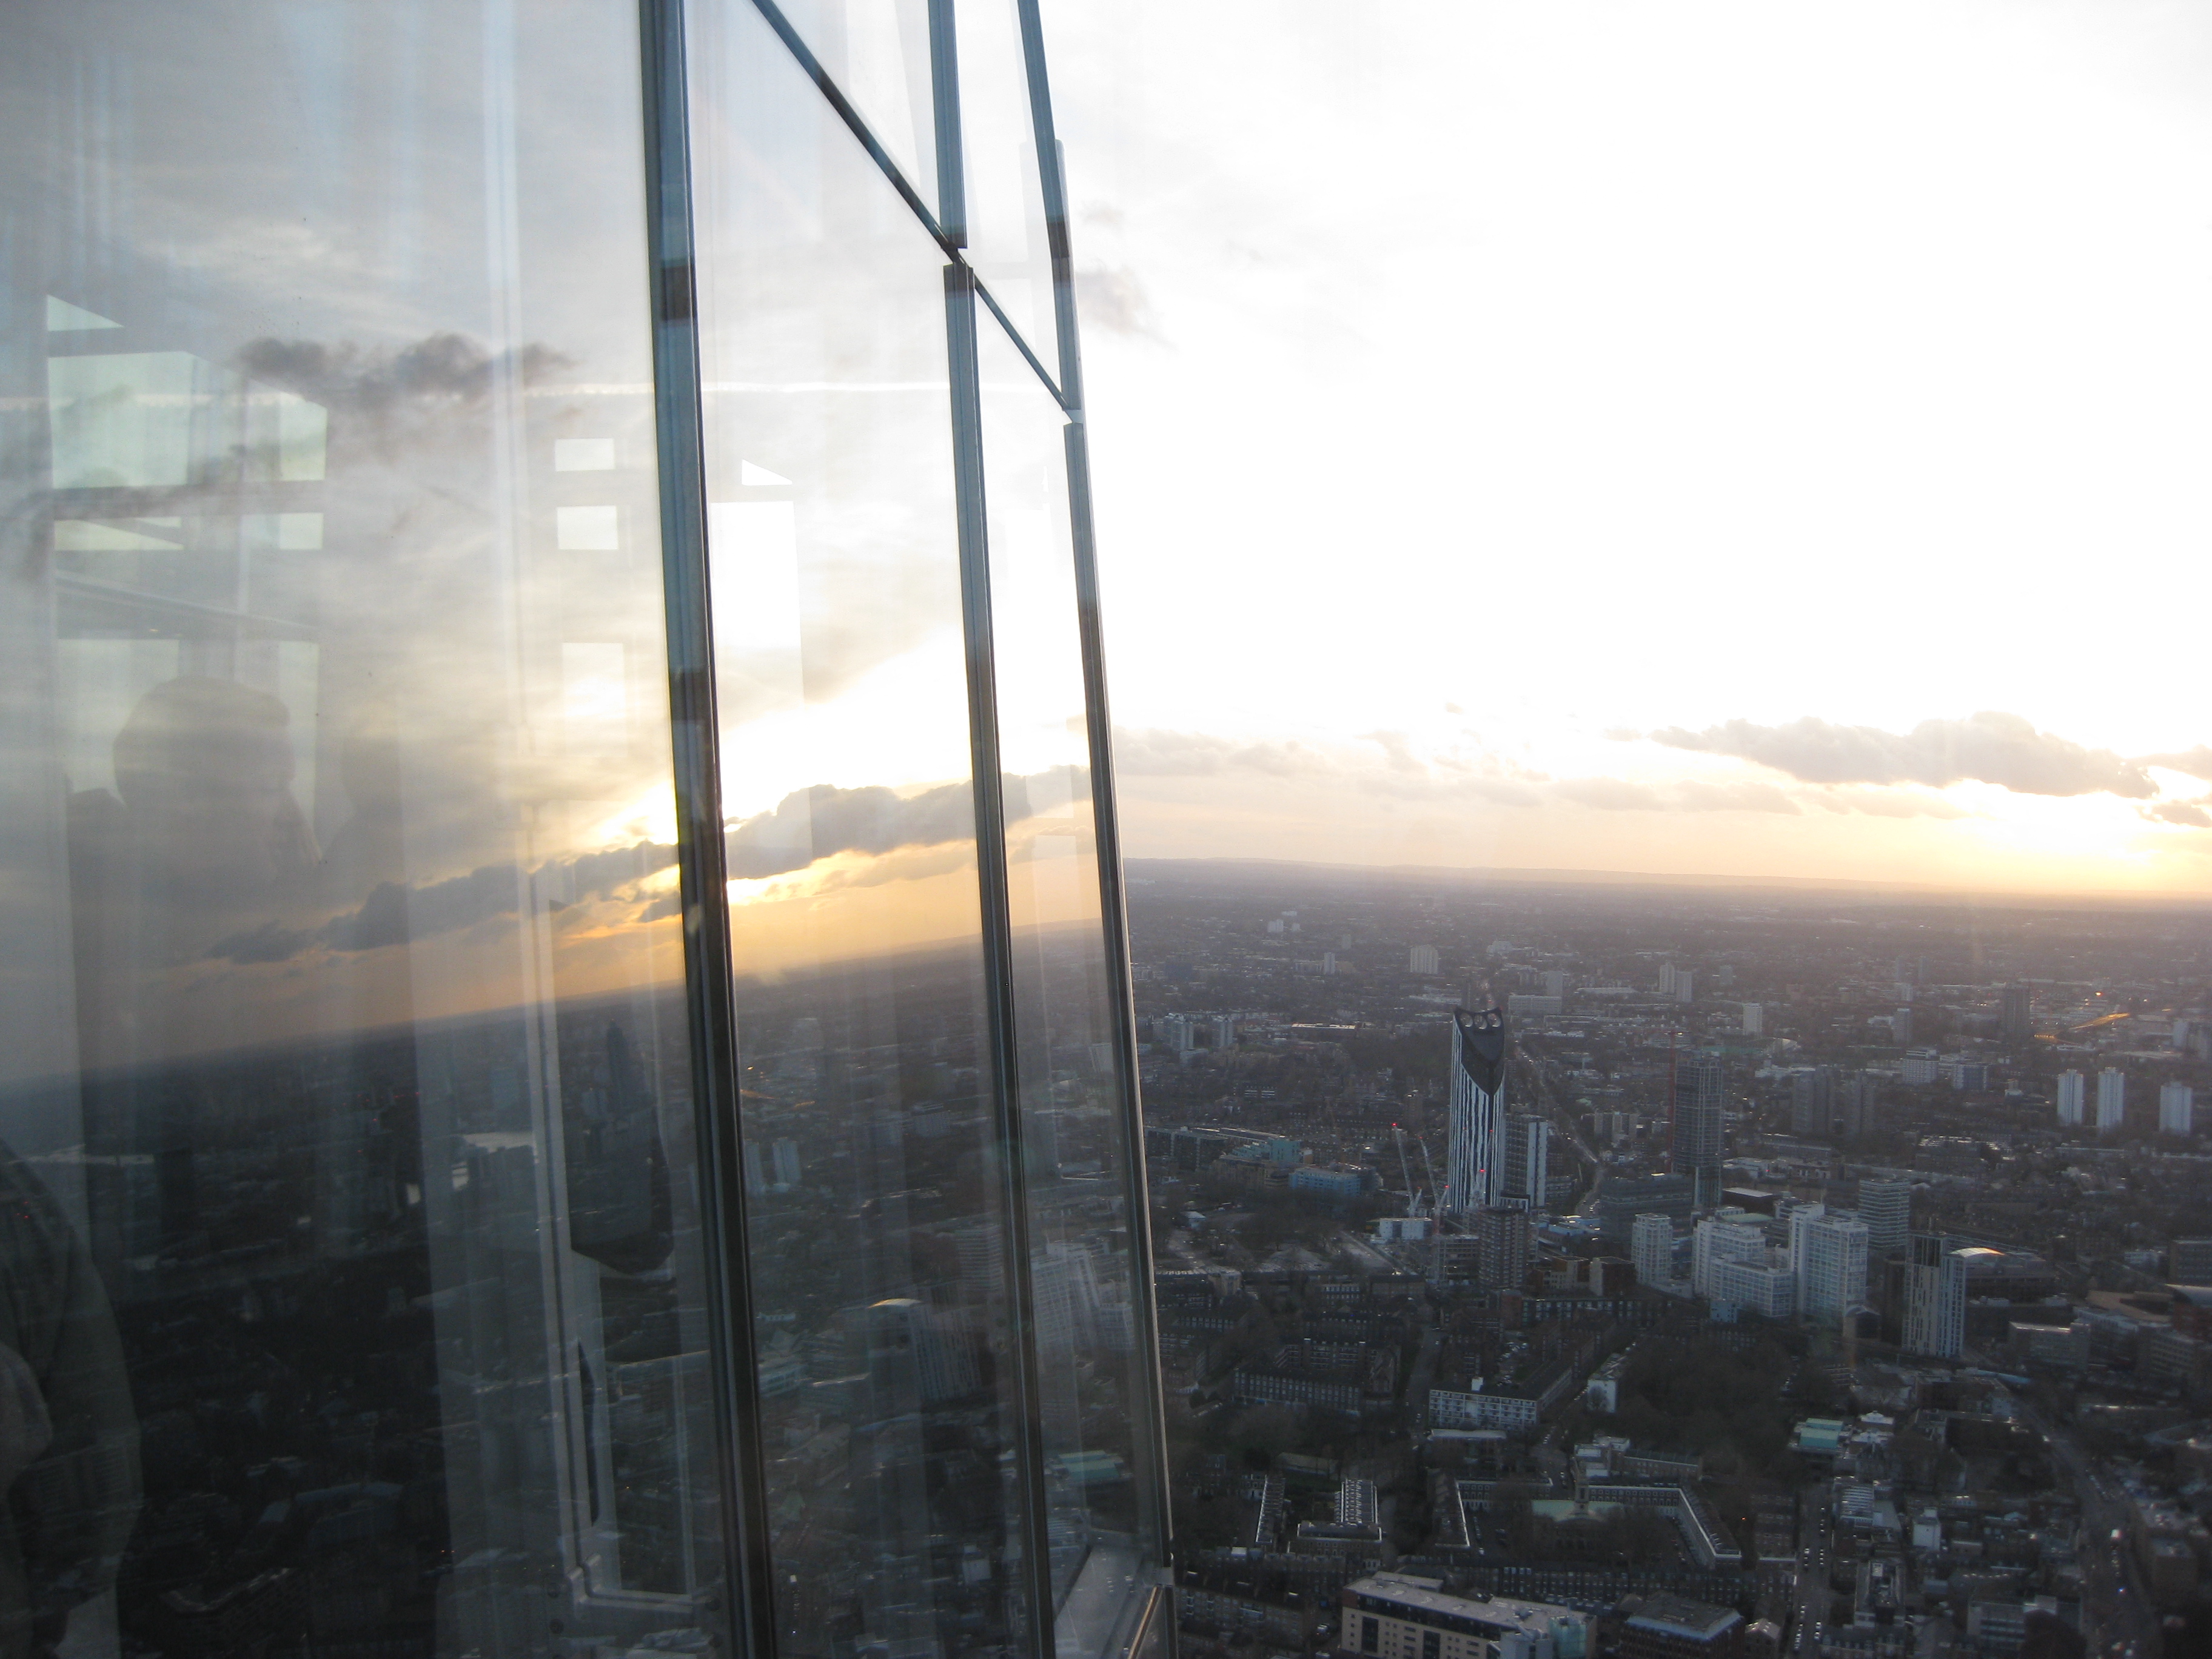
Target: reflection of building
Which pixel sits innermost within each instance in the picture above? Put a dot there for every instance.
(477, 1212)
(1475, 1158)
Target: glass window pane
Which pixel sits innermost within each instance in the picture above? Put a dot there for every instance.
(352, 1252)
(1006, 241)
(876, 52)
(875, 1187)
(1093, 1396)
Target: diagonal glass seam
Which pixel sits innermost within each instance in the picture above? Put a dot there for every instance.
(1022, 346)
(851, 117)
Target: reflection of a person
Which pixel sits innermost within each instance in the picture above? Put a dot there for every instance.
(69, 1440)
(201, 839)
(370, 850)
(200, 843)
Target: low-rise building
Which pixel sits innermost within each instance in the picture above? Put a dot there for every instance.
(1675, 1627)
(1398, 1616)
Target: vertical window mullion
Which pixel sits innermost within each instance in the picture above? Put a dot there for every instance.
(1053, 182)
(1113, 904)
(997, 940)
(945, 99)
(702, 854)
(1113, 915)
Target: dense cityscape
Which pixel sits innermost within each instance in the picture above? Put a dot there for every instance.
(1676, 1269)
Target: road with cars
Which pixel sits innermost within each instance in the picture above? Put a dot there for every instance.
(1814, 1541)
(2117, 1620)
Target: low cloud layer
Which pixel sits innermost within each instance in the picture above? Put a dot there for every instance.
(1990, 747)
(813, 823)
(2196, 762)
(1396, 771)
(804, 827)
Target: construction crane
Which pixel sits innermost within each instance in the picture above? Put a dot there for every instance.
(1412, 1198)
(1427, 1167)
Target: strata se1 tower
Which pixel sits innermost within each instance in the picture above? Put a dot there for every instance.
(1475, 1159)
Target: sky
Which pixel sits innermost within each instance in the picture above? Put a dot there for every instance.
(1706, 438)
(1697, 438)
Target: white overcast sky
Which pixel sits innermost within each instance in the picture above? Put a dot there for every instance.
(1598, 368)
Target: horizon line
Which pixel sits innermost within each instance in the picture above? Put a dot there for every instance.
(1928, 892)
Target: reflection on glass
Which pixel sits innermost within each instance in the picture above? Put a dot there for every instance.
(351, 1258)
(874, 1183)
(1092, 1398)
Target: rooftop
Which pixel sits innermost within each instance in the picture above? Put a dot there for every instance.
(1679, 1615)
(1507, 1610)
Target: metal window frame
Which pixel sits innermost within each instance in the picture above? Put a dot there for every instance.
(993, 886)
(1113, 893)
(701, 855)
(701, 849)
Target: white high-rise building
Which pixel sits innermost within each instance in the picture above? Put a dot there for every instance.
(1732, 1268)
(1475, 1154)
(2177, 1108)
(1828, 1254)
(2112, 1098)
(1717, 1239)
(1422, 959)
(1652, 1247)
(1754, 1019)
(1555, 982)
(1767, 1289)
(2070, 1099)
(1934, 1298)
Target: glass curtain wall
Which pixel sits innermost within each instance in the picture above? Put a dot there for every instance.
(568, 1086)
